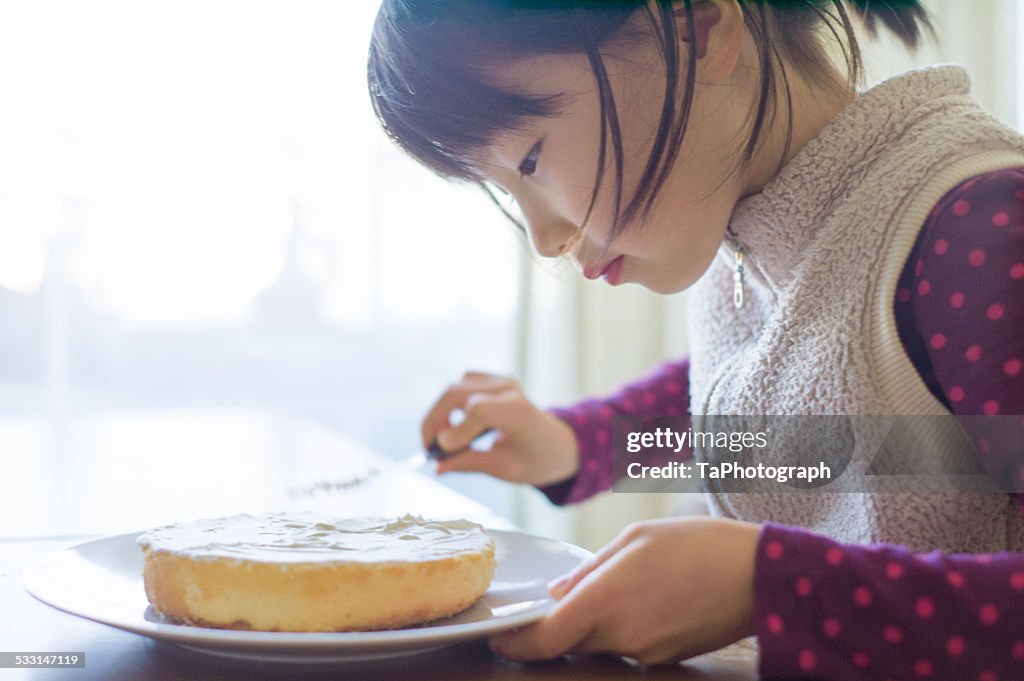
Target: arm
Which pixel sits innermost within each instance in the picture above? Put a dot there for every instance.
(666, 392)
(670, 589)
(824, 609)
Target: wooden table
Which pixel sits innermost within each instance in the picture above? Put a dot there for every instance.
(121, 472)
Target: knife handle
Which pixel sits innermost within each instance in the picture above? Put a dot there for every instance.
(437, 454)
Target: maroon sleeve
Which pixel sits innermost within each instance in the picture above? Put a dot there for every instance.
(666, 392)
(848, 612)
(874, 612)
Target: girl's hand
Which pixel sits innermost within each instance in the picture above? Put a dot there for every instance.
(662, 591)
(532, 446)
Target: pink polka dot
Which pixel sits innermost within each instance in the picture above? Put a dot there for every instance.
(804, 586)
(938, 341)
(649, 398)
(602, 437)
(1012, 367)
(977, 257)
(956, 300)
(1017, 270)
(1017, 581)
(961, 208)
(807, 660)
(995, 311)
(924, 607)
(862, 596)
(834, 555)
(579, 419)
(672, 410)
(985, 447)
(893, 570)
(773, 550)
(1001, 219)
(983, 558)
(861, 659)
(991, 407)
(956, 394)
(831, 627)
(673, 387)
(941, 246)
(923, 287)
(918, 268)
(988, 675)
(988, 614)
(893, 634)
(922, 669)
(956, 645)
(606, 411)
(1018, 650)
(973, 353)
(774, 623)
(955, 578)
(903, 295)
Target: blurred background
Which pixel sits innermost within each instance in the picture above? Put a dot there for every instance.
(198, 211)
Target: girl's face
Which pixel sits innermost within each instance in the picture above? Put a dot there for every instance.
(549, 166)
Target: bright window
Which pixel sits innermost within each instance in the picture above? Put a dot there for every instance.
(197, 209)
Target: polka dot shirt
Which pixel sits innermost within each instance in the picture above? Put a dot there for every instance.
(827, 610)
(833, 611)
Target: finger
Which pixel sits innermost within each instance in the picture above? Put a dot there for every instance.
(454, 397)
(610, 638)
(563, 585)
(570, 622)
(594, 643)
(485, 376)
(500, 461)
(611, 632)
(482, 411)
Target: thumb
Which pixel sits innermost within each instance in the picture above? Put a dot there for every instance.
(499, 461)
(559, 587)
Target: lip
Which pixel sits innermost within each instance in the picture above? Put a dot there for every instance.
(611, 272)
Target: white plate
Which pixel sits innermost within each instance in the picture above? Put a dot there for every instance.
(101, 580)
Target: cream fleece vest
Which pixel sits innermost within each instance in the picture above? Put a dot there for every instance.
(825, 243)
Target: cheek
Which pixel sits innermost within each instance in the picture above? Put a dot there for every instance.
(569, 193)
(678, 243)
(698, 198)
(578, 172)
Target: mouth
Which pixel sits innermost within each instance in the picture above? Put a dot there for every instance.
(611, 272)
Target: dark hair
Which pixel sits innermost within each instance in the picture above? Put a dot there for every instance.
(429, 90)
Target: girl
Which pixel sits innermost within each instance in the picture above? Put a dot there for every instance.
(846, 253)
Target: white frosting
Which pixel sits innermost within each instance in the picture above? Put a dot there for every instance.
(308, 537)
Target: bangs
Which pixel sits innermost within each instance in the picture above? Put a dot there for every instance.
(428, 62)
(428, 91)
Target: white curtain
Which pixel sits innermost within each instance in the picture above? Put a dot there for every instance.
(583, 338)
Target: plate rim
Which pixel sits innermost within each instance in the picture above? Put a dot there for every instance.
(35, 582)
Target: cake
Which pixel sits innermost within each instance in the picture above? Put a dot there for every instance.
(306, 572)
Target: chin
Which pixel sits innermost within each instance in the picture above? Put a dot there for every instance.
(667, 286)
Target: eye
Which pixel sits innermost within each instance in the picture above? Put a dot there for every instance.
(529, 164)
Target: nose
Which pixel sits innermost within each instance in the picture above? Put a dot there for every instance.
(549, 235)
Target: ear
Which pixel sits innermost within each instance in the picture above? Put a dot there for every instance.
(718, 31)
